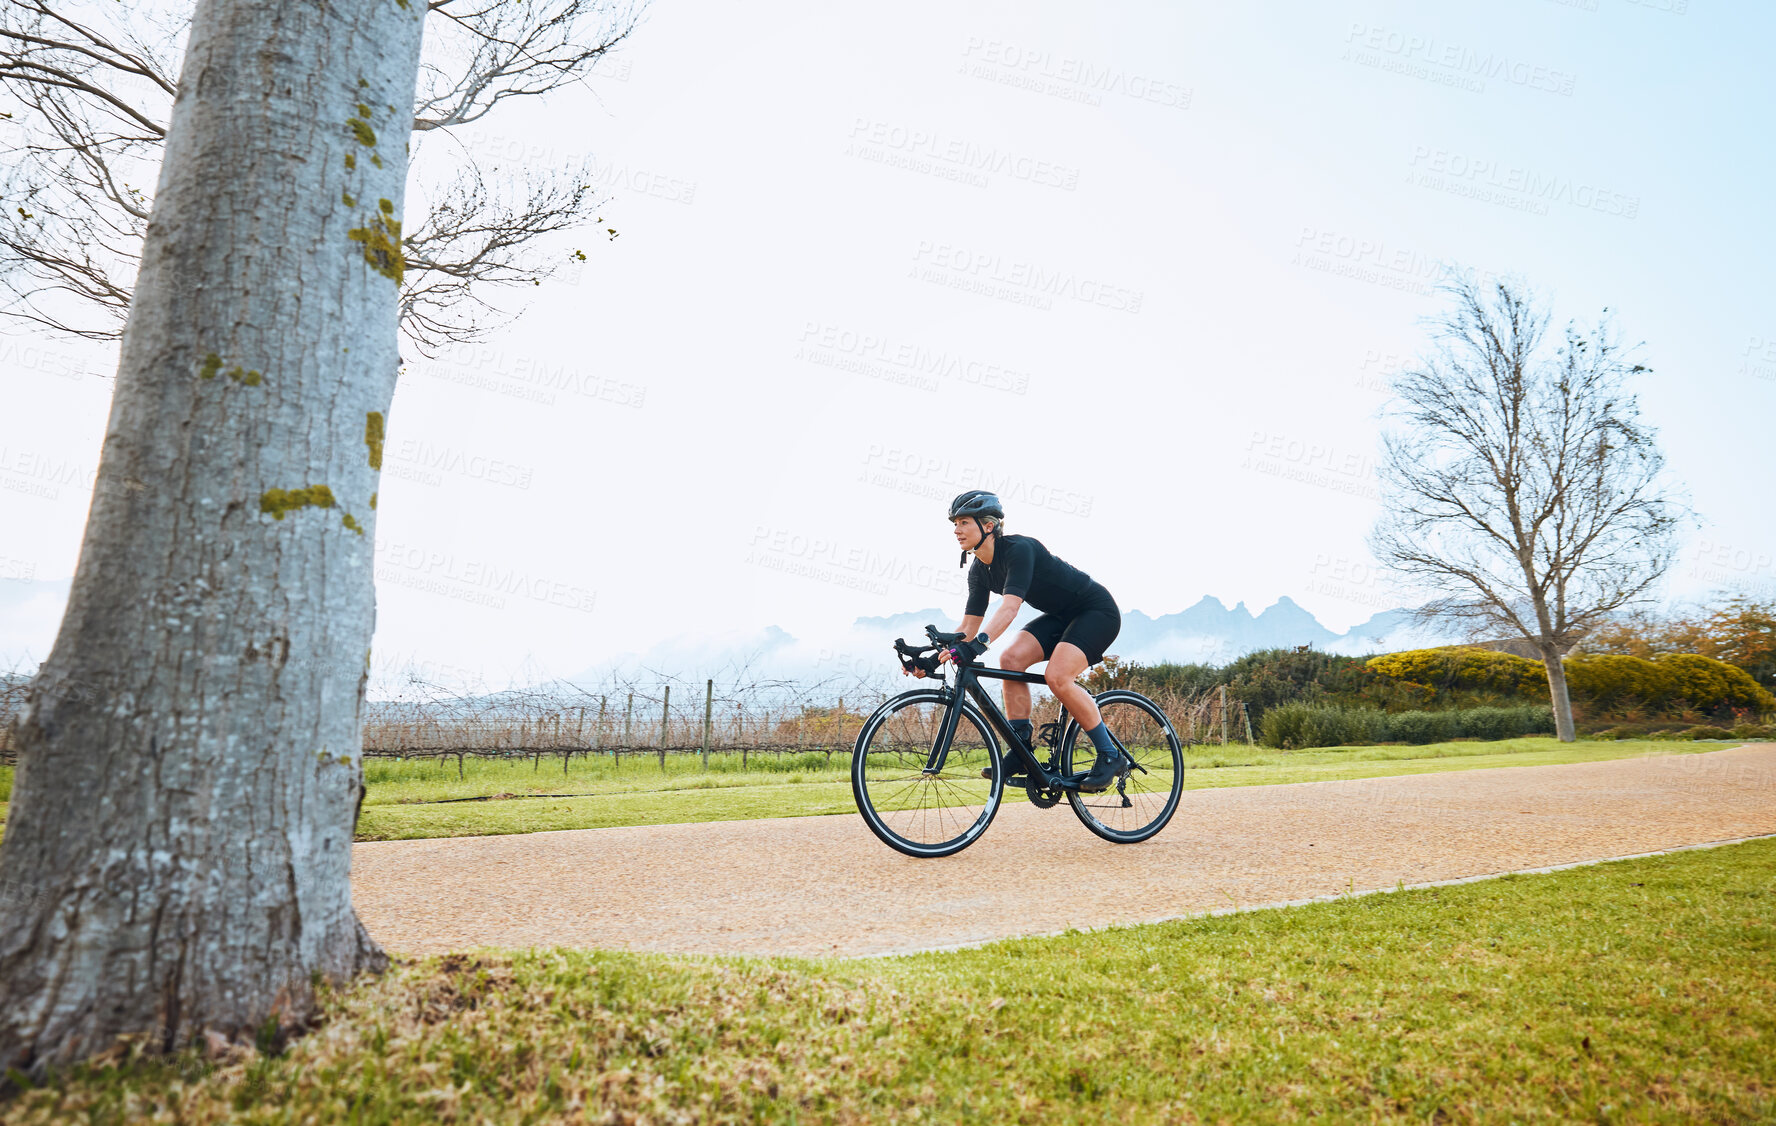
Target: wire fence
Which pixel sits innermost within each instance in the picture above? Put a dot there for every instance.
(661, 719)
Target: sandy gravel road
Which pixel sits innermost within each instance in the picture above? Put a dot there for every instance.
(825, 886)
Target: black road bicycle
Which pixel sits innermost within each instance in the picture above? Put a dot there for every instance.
(928, 774)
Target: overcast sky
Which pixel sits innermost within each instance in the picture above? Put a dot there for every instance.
(1142, 268)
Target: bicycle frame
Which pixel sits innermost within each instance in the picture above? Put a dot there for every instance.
(967, 684)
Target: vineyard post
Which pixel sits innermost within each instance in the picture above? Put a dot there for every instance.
(665, 711)
(1224, 715)
(708, 714)
(841, 738)
(628, 714)
(740, 731)
(598, 733)
(1247, 716)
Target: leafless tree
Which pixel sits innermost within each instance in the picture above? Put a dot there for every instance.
(1519, 483)
(94, 90)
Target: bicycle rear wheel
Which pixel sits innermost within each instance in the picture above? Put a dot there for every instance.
(1144, 797)
(923, 814)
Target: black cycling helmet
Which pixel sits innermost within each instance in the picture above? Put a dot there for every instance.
(977, 503)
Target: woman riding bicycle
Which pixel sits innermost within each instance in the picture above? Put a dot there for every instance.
(1079, 621)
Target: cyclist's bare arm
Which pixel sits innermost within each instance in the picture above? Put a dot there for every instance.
(996, 625)
(1003, 615)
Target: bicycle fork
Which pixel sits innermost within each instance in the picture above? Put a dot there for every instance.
(946, 733)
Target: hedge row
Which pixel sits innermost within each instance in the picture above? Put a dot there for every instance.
(1602, 681)
(1292, 726)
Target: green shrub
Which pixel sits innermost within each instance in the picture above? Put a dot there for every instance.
(1421, 727)
(1500, 723)
(1293, 726)
(1705, 732)
(1302, 725)
(1752, 731)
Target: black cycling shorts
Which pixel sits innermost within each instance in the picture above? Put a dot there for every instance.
(1092, 626)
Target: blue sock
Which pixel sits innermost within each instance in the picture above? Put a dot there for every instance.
(1100, 737)
(1022, 729)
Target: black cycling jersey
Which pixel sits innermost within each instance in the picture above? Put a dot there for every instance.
(1023, 568)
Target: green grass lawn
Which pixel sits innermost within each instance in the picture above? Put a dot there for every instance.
(415, 797)
(1637, 991)
(410, 798)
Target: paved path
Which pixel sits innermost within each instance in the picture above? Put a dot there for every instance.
(825, 886)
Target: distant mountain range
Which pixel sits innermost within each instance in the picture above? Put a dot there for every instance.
(1208, 632)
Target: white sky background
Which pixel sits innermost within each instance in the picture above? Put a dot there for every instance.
(704, 481)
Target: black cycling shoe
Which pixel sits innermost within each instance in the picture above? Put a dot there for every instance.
(1018, 780)
(1103, 772)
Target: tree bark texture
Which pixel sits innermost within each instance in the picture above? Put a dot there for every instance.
(1558, 696)
(177, 857)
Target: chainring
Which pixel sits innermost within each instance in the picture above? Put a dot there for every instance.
(1040, 797)
(1043, 797)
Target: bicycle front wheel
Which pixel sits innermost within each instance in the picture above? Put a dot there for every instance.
(1145, 795)
(918, 813)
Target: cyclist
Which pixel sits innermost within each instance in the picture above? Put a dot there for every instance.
(1079, 621)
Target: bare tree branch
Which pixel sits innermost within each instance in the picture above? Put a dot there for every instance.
(512, 50)
(93, 105)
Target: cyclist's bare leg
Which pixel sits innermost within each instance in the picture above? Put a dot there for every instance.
(1023, 652)
(1062, 676)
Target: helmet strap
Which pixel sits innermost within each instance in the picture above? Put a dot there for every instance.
(981, 528)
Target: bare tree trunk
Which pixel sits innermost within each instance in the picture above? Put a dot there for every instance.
(1558, 695)
(177, 857)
